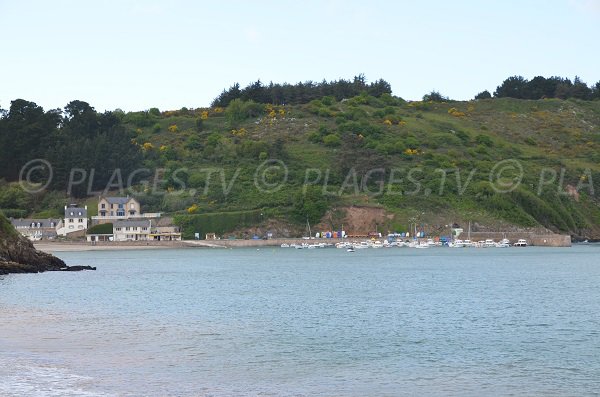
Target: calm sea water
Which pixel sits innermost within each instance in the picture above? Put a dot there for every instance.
(285, 322)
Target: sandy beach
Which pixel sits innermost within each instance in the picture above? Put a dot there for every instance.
(85, 246)
(70, 246)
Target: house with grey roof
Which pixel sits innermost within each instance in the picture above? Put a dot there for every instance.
(76, 220)
(111, 209)
(114, 208)
(132, 230)
(36, 229)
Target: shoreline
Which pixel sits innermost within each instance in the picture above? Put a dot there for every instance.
(73, 246)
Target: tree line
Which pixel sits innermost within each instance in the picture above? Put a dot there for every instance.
(303, 92)
(76, 137)
(541, 87)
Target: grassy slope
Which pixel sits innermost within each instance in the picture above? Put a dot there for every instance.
(546, 133)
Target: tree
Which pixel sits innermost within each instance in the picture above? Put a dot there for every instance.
(26, 132)
(79, 115)
(596, 91)
(302, 92)
(434, 96)
(580, 90)
(310, 206)
(235, 113)
(513, 87)
(539, 87)
(483, 95)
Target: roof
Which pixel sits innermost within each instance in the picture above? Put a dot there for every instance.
(26, 222)
(117, 200)
(75, 211)
(132, 223)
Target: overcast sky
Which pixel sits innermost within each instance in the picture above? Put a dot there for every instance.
(135, 55)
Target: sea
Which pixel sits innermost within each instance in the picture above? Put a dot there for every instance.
(322, 322)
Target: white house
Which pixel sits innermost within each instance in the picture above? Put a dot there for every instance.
(132, 230)
(76, 219)
(36, 229)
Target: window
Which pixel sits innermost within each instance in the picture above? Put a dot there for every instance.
(72, 213)
(144, 228)
(132, 206)
(103, 205)
(80, 220)
(32, 224)
(120, 206)
(118, 229)
(70, 220)
(120, 213)
(79, 213)
(71, 227)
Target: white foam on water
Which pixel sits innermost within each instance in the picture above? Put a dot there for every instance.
(28, 376)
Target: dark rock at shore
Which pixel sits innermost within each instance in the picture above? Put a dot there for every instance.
(77, 268)
(18, 255)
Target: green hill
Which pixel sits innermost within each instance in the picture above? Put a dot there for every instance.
(364, 162)
(434, 160)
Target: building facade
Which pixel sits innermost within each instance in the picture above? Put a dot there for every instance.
(132, 230)
(75, 220)
(37, 229)
(114, 208)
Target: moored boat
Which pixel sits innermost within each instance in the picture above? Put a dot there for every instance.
(521, 243)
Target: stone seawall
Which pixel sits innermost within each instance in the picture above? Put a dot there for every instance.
(540, 240)
(550, 240)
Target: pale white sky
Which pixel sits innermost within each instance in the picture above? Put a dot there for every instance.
(135, 55)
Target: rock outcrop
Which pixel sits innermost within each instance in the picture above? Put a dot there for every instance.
(18, 255)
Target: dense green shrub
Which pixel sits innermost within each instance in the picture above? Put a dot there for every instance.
(218, 222)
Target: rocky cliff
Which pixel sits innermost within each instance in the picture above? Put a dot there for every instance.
(17, 254)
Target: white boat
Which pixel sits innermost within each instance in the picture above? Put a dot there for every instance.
(504, 243)
(521, 243)
(468, 243)
(377, 244)
(350, 249)
(456, 244)
(489, 243)
(284, 245)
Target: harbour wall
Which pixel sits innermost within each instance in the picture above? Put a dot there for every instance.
(540, 240)
(548, 240)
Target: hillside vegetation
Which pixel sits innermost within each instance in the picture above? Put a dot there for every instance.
(499, 161)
